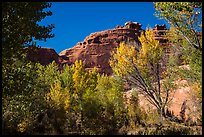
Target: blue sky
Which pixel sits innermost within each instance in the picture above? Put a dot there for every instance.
(75, 20)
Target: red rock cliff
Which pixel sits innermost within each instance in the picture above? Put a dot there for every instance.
(95, 50)
(45, 56)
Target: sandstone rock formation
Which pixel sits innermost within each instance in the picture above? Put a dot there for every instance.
(184, 101)
(95, 50)
(42, 55)
(45, 56)
(159, 31)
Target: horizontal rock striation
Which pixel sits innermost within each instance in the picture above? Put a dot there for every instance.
(96, 48)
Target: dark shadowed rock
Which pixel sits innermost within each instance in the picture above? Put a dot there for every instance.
(42, 55)
(45, 56)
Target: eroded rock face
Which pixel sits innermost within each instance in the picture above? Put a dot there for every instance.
(184, 102)
(96, 48)
(42, 55)
(45, 56)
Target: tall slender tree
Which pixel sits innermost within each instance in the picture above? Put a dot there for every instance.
(142, 70)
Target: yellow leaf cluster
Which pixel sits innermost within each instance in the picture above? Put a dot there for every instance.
(126, 55)
(22, 126)
(151, 51)
(123, 59)
(197, 87)
(78, 75)
(58, 98)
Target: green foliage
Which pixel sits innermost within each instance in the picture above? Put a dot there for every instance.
(15, 110)
(52, 106)
(58, 102)
(184, 36)
(136, 115)
(27, 103)
(90, 101)
(58, 98)
(110, 95)
(18, 78)
(97, 102)
(186, 17)
(42, 100)
(20, 25)
(21, 104)
(66, 78)
(194, 60)
(188, 56)
(46, 76)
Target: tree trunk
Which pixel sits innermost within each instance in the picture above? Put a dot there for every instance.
(162, 114)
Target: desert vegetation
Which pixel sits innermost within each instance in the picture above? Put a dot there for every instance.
(43, 100)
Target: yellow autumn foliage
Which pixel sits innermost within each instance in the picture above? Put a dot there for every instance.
(58, 98)
(151, 51)
(21, 127)
(123, 59)
(126, 55)
(198, 88)
(79, 76)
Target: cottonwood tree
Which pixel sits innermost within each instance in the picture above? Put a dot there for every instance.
(19, 28)
(142, 70)
(112, 111)
(84, 84)
(186, 17)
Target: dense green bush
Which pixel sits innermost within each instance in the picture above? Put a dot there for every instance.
(134, 111)
(110, 96)
(18, 97)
